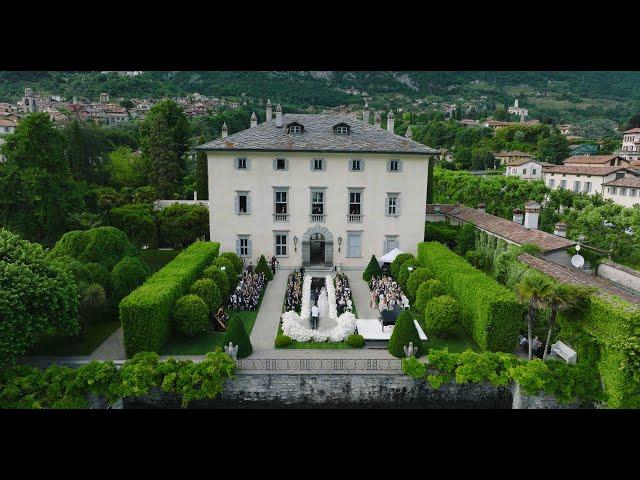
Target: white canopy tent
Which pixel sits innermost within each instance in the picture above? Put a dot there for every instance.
(391, 256)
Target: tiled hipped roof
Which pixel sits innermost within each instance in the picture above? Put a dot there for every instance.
(583, 169)
(626, 181)
(592, 159)
(504, 228)
(318, 136)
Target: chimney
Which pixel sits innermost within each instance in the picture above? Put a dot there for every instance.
(365, 113)
(560, 229)
(377, 121)
(481, 207)
(390, 122)
(279, 116)
(269, 111)
(517, 216)
(254, 120)
(531, 214)
(225, 130)
(408, 134)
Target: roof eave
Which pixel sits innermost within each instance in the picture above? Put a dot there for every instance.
(394, 152)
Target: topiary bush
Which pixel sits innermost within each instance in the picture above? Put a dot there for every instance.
(416, 278)
(283, 341)
(372, 270)
(427, 290)
(397, 263)
(222, 281)
(190, 315)
(229, 271)
(208, 291)
(100, 275)
(237, 334)
(404, 331)
(103, 245)
(355, 340)
(128, 274)
(441, 315)
(404, 272)
(263, 267)
(238, 265)
(146, 313)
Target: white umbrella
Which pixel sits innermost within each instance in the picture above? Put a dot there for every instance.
(390, 256)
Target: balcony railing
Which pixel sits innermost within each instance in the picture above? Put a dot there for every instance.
(317, 218)
(280, 217)
(354, 218)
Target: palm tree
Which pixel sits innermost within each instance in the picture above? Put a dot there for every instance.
(532, 290)
(564, 297)
(91, 297)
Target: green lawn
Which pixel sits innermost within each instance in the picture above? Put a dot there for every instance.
(179, 345)
(156, 259)
(60, 346)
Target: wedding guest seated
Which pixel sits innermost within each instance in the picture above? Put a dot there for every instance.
(293, 300)
(246, 295)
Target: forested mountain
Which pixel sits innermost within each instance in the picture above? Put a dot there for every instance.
(557, 96)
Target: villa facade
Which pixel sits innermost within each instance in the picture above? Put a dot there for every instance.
(317, 190)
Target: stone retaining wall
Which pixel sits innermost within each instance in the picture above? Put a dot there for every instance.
(620, 274)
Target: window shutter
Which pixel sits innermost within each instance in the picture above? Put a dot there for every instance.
(351, 165)
(249, 248)
(248, 160)
(388, 165)
(275, 163)
(384, 247)
(237, 204)
(235, 163)
(386, 209)
(399, 165)
(398, 206)
(248, 203)
(362, 165)
(324, 164)
(311, 164)
(286, 164)
(238, 246)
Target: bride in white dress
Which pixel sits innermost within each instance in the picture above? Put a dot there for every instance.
(323, 303)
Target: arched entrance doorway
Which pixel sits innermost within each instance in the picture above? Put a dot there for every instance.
(317, 247)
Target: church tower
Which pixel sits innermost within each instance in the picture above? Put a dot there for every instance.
(29, 101)
(365, 113)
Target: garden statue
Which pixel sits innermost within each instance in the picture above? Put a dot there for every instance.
(409, 351)
(231, 350)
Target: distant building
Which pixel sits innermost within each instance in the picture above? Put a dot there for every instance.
(583, 149)
(624, 191)
(631, 144)
(513, 156)
(104, 98)
(523, 113)
(29, 104)
(7, 125)
(565, 129)
(526, 169)
(588, 177)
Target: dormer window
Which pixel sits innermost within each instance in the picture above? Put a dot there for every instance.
(342, 129)
(295, 127)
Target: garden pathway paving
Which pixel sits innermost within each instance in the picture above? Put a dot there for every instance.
(111, 349)
(268, 319)
(361, 295)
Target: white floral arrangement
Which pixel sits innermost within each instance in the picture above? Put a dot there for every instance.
(296, 326)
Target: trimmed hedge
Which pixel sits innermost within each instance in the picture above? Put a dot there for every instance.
(146, 313)
(404, 272)
(355, 340)
(229, 271)
(416, 278)
(238, 266)
(397, 263)
(263, 267)
(490, 312)
(128, 274)
(441, 315)
(222, 281)
(237, 334)
(283, 341)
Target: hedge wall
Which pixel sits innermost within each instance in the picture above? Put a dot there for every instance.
(145, 314)
(490, 312)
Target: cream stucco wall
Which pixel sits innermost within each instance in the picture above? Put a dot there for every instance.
(596, 181)
(519, 171)
(259, 180)
(629, 199)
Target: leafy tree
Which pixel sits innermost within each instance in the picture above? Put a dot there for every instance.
(37, 193)
(532, 290)
(181, 225)
(501, 114)
(164, 135)
(86, 151)
(37, 297)
(554, 149)
(633, 122)
(137, 221)
(201, 173)
(126, 168)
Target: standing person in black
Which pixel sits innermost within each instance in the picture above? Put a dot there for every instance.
(302, 271)
(273, 265)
